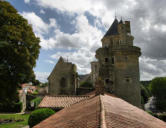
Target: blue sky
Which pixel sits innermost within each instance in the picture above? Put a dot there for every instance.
(73, 29)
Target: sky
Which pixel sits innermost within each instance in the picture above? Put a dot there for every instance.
(73, 29)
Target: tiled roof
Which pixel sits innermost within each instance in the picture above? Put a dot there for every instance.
(81, 115)
(121, 114)
(103, 111)
(60, 101)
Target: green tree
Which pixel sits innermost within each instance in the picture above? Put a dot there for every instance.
(158, 89)
(19, 49)
(86, 84)
(36, 82)
(144, 94)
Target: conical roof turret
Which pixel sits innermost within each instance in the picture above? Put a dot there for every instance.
(113, 30)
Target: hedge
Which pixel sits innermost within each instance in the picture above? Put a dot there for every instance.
(39, 115)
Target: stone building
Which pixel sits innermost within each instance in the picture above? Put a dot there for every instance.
(118, 62)
(63, 79)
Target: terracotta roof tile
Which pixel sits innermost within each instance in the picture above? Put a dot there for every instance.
(81, 115)
(60, 101)
(121, 114)
(104, 111)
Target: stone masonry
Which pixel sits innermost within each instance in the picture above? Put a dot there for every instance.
(118, 63)
(63, 79)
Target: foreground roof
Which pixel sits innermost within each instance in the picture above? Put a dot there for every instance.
(103, 111)
(60, 101)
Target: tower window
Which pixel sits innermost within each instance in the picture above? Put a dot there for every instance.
(128, 79)
(106, 59)
(112, 59)
(107, 81)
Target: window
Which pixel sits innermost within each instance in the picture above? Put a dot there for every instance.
(112, 59)
(106, 59)
(63, 82)
(128, 79)
(107, 81)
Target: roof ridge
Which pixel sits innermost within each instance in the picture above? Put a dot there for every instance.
(102, 113)
(88, 97)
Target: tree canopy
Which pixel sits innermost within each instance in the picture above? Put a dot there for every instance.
(19, 49)
(158, 89)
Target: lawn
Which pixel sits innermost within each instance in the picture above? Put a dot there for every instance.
(15, 117)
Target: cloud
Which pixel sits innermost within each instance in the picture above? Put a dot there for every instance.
(42, 76)
(80, 38)
(42, 11)
(27, 1)
(148, 25)
(50, 61)
(84, 42)
(39, 26)
(150, 68)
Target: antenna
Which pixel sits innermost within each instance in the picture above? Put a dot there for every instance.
(115, 14)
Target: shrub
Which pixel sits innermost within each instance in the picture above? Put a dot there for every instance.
(11, 107)
(36, 101)
(162, 117)
(153, 114)
(17, 107)
(39, 115)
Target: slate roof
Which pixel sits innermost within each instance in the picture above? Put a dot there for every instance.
(102, 111)
(113, 30)
(60, 101)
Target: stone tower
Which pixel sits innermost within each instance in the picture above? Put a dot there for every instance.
(63, 79)
(119, 63)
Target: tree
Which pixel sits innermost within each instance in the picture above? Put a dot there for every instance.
(36, 82)
(144, 94)
(19, 49)
(86, 84)
(158, 89)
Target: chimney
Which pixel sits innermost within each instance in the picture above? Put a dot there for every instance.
(127, 24)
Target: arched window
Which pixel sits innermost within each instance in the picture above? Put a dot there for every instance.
(63, 86)
(63, 82)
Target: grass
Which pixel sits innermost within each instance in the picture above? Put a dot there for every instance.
(16, 117)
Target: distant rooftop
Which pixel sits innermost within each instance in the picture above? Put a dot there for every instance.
(58, 102)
